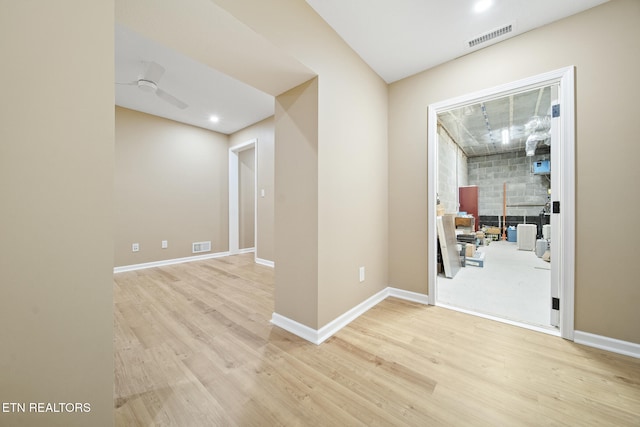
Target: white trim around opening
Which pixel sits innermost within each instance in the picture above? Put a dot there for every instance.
(234, 195)
(564, 257)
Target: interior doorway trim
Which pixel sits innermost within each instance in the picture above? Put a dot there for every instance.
(234, 196)
(564, 255)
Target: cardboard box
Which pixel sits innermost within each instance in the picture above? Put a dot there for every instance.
(470, 250)
(493, 230)
(466, 222)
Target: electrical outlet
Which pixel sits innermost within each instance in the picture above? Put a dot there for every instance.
(165, 244)
(135, 247)
(361, 274)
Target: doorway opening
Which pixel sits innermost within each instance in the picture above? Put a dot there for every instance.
(512, 148)
(243, 198)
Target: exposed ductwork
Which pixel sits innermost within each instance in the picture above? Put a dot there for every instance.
(503, 124)
(538, 127)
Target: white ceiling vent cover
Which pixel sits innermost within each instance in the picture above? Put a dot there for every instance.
(199, 247)
(490, 35)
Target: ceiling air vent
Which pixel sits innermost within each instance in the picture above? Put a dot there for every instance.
(490, 35)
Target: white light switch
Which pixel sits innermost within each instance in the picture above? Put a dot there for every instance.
(262, 193)
(165, 244)
(362, 274)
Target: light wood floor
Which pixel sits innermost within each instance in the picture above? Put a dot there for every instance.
(194, 347)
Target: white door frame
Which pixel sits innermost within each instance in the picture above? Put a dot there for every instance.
(234, 196)
(563, 250)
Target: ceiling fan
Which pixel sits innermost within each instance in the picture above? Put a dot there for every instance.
(149, 83)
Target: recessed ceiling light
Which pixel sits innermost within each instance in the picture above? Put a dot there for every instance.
(482, 5)
(214, 119)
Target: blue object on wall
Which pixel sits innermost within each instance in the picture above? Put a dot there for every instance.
(542, 167)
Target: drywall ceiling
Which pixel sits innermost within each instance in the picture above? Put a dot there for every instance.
(206, 91)
(479, 129)
(396, 38)
(400, 38)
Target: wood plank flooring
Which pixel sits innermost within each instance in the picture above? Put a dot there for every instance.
(194, 347)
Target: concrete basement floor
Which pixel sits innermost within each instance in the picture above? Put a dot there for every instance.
(513, 285)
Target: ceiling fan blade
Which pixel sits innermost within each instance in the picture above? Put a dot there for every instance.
(135, 83)
(171, 99)
(154, 71)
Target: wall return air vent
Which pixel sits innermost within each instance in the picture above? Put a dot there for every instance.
(490, 35)
(199, 247)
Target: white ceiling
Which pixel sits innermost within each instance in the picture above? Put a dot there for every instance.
(396, 38)
(400, 38)
(206, 91)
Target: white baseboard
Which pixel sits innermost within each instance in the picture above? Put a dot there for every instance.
(152, 264)
(605, 343)
(245, 251)
(265, 262)
(327, 331)
(340, 322)
(295, 328)
(408, 295)
(319, 336)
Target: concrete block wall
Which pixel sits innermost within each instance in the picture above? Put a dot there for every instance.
(452, 171)
(489, 173)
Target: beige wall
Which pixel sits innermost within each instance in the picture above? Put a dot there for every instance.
(296, 205)
(352, 188)
(246, 198)
(603, 44)
(352, 153)
(56, 220)
(171, 183)
(452, 171)
(263, 131)
(57, 175)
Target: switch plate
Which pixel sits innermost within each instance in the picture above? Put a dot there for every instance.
(361, 274)
(262, 193)
(135, 247)
(165, 244)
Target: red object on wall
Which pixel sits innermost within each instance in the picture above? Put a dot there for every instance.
(468, 199)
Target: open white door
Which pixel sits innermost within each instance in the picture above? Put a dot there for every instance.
(555, 245)
(234, 195)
